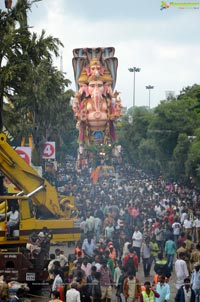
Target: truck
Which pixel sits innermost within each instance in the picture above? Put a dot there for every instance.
(40, 206)
(39, 203)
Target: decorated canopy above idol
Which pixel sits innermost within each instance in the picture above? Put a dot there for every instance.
(96, 106)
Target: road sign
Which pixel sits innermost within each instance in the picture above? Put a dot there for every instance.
(49, 150)
(25, 153)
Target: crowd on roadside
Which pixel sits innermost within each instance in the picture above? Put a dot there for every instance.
(131, 221)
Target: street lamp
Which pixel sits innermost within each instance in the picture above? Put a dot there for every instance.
(149, 87)
(134, 70)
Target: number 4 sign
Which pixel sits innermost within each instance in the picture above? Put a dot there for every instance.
(49, 150)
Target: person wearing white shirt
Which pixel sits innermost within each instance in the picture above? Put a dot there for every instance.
(97, 227)
(72, 294)
(184, 215)
(125, 249)
(61, 258)
(157, 209)
(176, 226)
(89, 246)
(137, 242)
(13, 220)
(181, 271)
(57, 280)
(187, 224)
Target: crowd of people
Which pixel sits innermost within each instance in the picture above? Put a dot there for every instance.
(137, 233)
(130, 224)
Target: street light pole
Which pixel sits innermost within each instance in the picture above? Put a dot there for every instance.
(134, 70)
(149, 87)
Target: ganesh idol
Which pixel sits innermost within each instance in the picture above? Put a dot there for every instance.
(95, 106)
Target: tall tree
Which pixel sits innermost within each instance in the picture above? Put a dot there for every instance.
(20, 52)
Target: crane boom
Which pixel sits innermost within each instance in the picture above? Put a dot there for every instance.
(42, 193)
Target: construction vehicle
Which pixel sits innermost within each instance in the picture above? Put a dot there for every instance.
(38, 202)
(17, 266)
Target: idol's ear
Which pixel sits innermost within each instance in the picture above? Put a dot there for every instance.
(78, 65)
(112, 65)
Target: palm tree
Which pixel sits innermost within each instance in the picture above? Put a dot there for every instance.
(21, 52)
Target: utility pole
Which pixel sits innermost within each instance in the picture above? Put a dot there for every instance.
(134, 70)
(149, 87)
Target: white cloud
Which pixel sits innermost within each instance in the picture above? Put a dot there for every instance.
(165, 47)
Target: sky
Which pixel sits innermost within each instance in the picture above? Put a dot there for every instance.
(164, 43)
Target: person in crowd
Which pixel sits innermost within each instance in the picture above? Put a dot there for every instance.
(58, 281)
(109, 219)
(176, 226)
(187, 225)
(109, 231)
(72, 294)
(131, 287)
(90, 221)
(112, 251)
(86, 266)
(185, 292)
(89, 246)
(81, 286)
(117, 273)
(137, 242)
(89, 280)
(120, 287)
(184, 215)
(51, 267)
(163, 289)
(195, 256)
(97, 227)
(131, 261)
(55, 297)
(146, 257)
(154, 248)
(69, 281)
(161, 267)
(4, 293)
(61, 258)
(148, 294)
(159, 233)
(79, 249)
(196, 225)
(97, 262)
(170, 250)
(182, 249)
(96, 288)
(110, 262)
(195, 280)
(33, 245)
(13, 221)
(181, 239)
(181, 270)
(126, 246)
(106, 281)
(46, 244)
(77, 269)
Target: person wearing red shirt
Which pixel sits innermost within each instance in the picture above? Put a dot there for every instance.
(135, 258)
(170, 209)
(169, 217)
(181, 239)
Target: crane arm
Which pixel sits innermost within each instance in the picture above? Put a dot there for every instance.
(27, 179)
